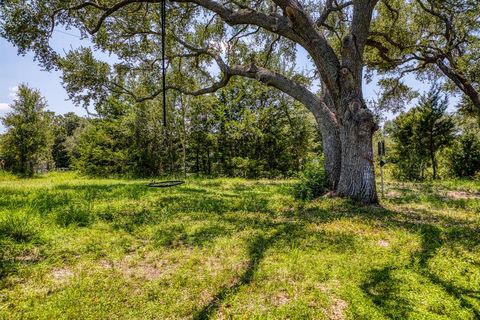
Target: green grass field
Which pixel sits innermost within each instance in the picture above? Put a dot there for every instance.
(76, 248)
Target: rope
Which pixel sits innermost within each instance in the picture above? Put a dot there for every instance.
(164, 96)
(163, 22)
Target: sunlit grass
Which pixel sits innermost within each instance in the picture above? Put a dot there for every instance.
(72, 247)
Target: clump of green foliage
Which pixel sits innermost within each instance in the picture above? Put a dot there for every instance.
(464, 156)
(313, 182)
(74, 214)
(18, 229)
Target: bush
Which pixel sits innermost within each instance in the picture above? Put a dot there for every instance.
(313, 182)
(464, 156)
(409, 166)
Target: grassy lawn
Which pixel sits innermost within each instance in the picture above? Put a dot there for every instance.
(75, 248)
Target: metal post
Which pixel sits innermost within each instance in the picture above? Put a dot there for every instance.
(381, 179)
(381, 154)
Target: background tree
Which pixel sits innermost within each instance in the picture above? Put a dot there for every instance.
(102, 149)
(242, 130)
(435, 127)
(464, 154)
(419, 134)
(27, 143)
(101, 146)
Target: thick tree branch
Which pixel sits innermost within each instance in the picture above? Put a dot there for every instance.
(297, 27)
(252, 71)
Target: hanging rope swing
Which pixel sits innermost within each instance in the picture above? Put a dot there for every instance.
(163, 18)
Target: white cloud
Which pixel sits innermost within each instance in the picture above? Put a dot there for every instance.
(4, 107)
(12, 92)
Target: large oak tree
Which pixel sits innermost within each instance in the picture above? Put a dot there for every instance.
(255, 39)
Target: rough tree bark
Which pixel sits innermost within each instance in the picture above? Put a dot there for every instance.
(332, 151)
(357, 175)
(331, 144)
(357, 125)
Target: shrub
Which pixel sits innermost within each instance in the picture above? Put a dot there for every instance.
(246, 167)
(313, 182)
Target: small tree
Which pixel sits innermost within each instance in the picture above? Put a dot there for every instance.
(102, 149)
(27, 142)
(407, 154)
(436, 129)
(420, 133)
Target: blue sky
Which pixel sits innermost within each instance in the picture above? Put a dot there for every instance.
(15, 69)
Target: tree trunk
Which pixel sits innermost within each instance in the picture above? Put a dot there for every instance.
(332, 152)
(197, 161)
(331, 144)
(357, 176)
(209, 167)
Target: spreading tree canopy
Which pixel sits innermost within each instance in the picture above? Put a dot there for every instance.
(431, 39)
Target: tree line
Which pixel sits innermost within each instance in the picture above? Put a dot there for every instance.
(243, 130)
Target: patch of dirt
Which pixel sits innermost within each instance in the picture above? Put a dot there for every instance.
(463, 195)
(62, 274)
(322, 288)
(148, 268)
(29, 256)
(287, 209)
(337, 310)
(330, 194)
(205, 296)
(393, 194)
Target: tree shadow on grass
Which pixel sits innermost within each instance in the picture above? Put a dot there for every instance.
(383, 291)
(273, 235)
(179, 235)
(256, 251)
(435, 233)
(382, 285)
